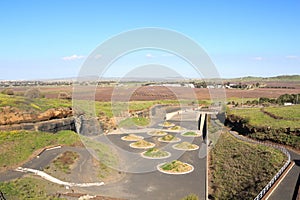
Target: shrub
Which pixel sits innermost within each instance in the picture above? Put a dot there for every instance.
(8, 92)
(64, 95)
(191, 197)
(33, 93)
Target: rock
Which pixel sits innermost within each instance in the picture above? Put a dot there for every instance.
(10, 115)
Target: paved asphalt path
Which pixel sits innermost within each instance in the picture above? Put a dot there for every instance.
(286, 189)
(45, 159)
(156, 185)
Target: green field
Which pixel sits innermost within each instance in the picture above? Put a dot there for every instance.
(18, 146)
(284, 78)
(38, 104)
(240, 170)
(108, 109)
(288, 112)
(258, 119)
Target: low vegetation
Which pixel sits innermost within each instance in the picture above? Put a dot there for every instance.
(185, 146)
(65, 161)
(142, 144)
(191, 134)
(191, 197)
(278, 124)
(18, 146)
(278, 137)
(156, 153)
(176, 166)
(134, 121)
(240, 170)
(26, 188)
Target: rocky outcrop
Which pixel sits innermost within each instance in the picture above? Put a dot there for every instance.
(93, 126)
(53, 120)
(52, 126)
(10, 115)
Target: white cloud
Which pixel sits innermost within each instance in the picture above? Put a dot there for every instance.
(258, 58)
(149, 55)
(292, 57)
(73, 57)
(98, 56)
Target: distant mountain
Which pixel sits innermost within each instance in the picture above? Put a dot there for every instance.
(274, 78)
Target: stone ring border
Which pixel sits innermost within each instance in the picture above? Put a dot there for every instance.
(171, 141)
(176, 148)
(148, 147)
(132, 140)
(173, 173)
(192, 136)
(155, 158)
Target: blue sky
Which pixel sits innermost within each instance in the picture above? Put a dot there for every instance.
(51, 39)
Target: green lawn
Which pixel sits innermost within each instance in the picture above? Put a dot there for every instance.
(240, 170)
(18, 146)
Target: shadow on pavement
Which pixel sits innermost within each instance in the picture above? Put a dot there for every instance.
(296, 191)
(297, 162)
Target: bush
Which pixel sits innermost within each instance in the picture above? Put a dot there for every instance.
(33, 93)
(64, 95)
(8, 92)
(191, 197)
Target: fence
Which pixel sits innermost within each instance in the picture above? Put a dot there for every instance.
(2, 196)
(278, 174)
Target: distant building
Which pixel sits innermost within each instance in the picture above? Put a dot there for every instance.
(287, 104)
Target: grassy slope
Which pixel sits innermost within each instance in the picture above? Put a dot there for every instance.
(240, 170)
(26, 188)
(39, 104)
(18, 146)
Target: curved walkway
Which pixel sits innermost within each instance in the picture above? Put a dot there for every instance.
(44, 159)
(55, 180)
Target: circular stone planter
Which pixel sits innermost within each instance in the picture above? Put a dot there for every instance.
(170, 141)
(151, 145)
(167, 125)
(155, 133)
(174, 173)
(148, 157)
(194, 135)
(176, 130)
(135, 138)
(183, 149)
